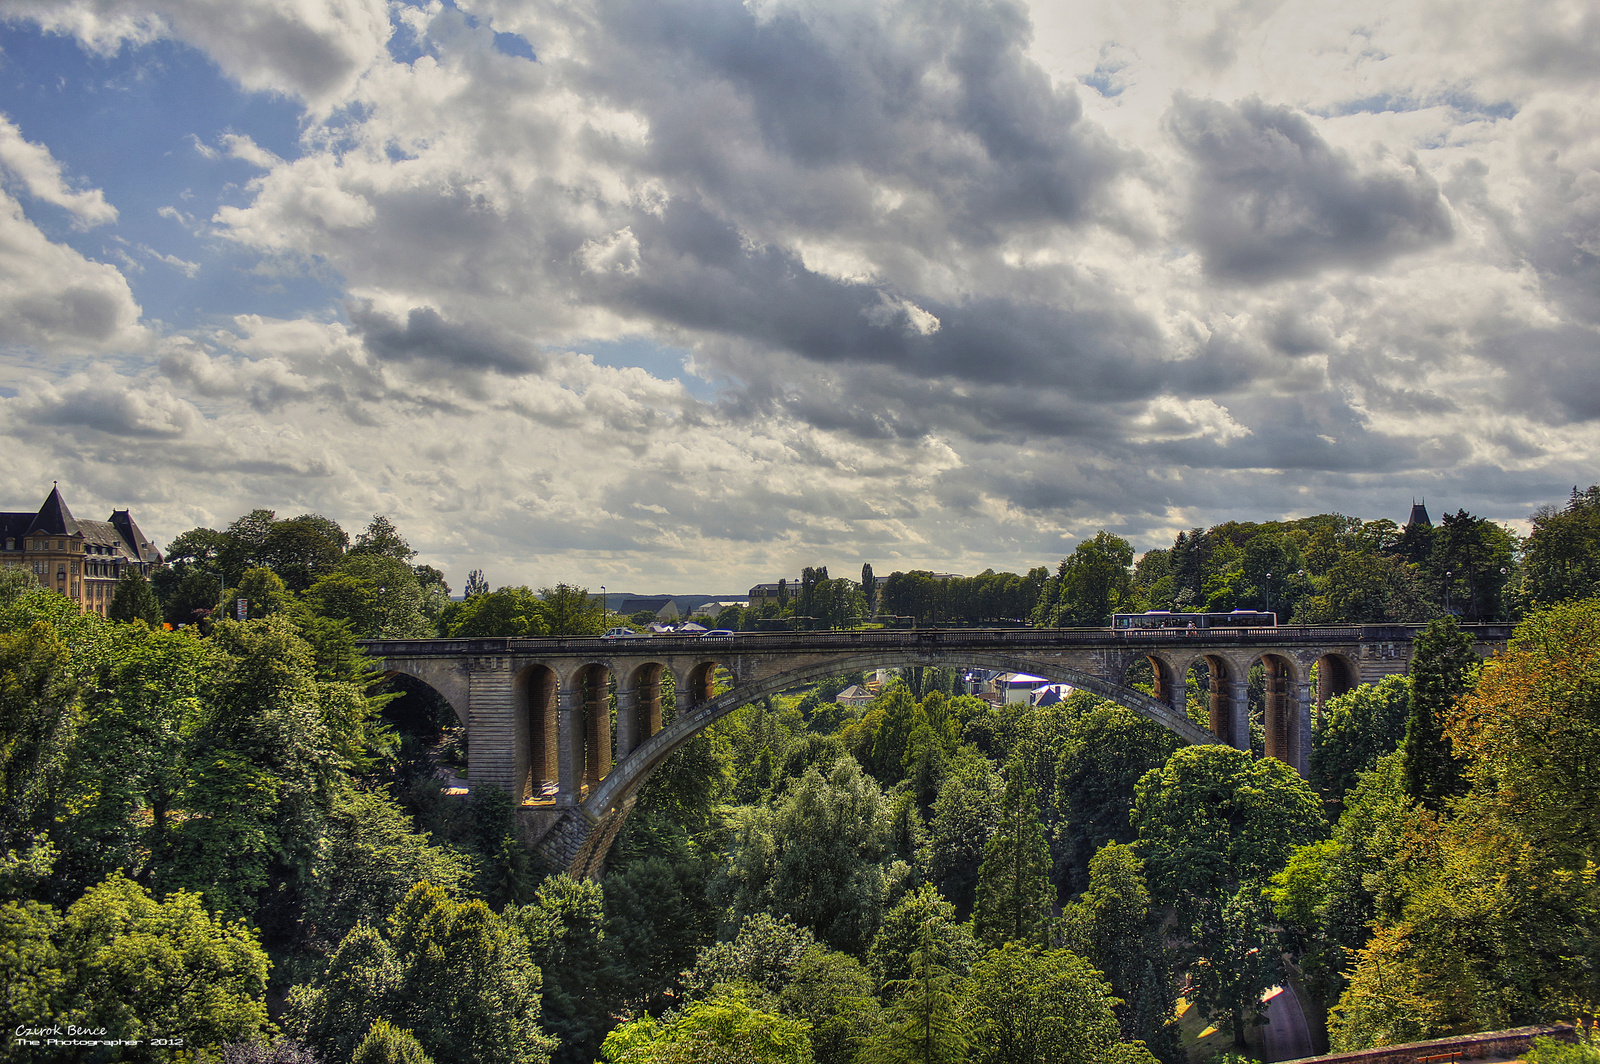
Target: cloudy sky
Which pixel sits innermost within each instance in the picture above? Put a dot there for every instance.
(681, 294)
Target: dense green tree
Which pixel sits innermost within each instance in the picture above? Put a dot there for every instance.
(1212, 818)
(657, 919)
(1369, 588)
(261, 775)
(381, 538)
(1028, 1005)
(1113, 926)
(831, 991)
(33, 975)
(1102, 757)
(565, 928)
(453, 973)
(243, 544)
(146, 968)
(40, 709)
(120, 803)
(965, 813)
(137, 967)
(377, 595)
(1353, 730)
(191, 597)
(722, 1028)
(1213, 826)
(1529, 732)
(387, 1044)
(1238, 962)
(892, 717)
(924, 1021)
(1562, 556)
(356, 988)
(264, 594)
(506, 611)
(1443, 668)
(869, 588)
(1471, 557)
(823, 856)
(1486, 918)
(1330, 892)
(372, 859)
(764, 954)
(302, 549)
(135, 600)
(921, 920)
(570, 611)
(197, 551)
(1014, 896)
(507, 874)
(1090, 585)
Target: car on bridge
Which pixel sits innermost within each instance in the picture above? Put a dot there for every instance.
(620, 633)
(718, 633)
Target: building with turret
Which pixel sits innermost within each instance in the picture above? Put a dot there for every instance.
(82, 560)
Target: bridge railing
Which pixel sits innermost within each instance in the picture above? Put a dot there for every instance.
(921, 638)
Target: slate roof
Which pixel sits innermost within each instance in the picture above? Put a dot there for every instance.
(54, 519)
(1419, 515)
(120, 534)
(14, 527)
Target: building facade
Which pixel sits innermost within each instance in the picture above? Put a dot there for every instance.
(82, 560)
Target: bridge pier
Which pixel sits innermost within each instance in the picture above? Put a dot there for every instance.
(570, 746)
(596, 691)
(1275, 709)
(542, 715)
(1304, 700)
(496, 732)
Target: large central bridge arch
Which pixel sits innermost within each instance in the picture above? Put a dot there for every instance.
(537, 713)
(618, 788)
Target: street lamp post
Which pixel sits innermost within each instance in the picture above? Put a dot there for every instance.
(1505, 600)
(1269, 593)
(1447, 575)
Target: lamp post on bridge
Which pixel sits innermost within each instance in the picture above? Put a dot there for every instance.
(1447, 575)
(1269, 594)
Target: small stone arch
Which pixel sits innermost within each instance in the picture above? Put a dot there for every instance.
(698, 687)
(589, 708)
(1279, 711)
(536, 695)
(445, 678)
(1226, 697)
(639, 705)
(1337, 674)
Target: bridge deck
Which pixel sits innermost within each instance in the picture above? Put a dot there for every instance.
(954, 638)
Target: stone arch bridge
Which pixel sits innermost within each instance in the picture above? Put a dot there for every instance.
(540, 722)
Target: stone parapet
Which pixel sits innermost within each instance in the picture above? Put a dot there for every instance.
(1489, 1044)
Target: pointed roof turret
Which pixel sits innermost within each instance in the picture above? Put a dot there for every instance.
(54, 518)
(1419, 514)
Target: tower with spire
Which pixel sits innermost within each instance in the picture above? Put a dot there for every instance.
(82, 560)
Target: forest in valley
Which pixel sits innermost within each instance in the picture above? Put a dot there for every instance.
(224, 838)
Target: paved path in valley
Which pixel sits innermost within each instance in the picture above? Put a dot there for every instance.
(1286, 1035)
